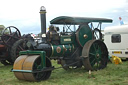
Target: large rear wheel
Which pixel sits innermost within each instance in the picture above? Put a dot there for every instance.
(16, 48)
(95, 55)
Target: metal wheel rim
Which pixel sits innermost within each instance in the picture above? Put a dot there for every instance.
(42, 75)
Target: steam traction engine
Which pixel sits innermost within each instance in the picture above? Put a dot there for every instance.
(72, 48)
(11, 43)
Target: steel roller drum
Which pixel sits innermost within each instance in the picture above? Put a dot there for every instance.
(18, 65)
(24, 62)
(83, 34)
(30, 63)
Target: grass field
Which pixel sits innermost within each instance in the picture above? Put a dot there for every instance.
(111, 75)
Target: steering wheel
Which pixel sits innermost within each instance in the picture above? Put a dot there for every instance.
(10, 35)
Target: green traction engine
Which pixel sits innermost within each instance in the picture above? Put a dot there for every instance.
(78, 44)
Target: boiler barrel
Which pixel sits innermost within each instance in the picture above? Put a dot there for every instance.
(56, 50)
(60, 50)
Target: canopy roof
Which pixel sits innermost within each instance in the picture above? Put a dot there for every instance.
(77, 20)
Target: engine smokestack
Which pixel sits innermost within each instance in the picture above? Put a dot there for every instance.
(43, 23)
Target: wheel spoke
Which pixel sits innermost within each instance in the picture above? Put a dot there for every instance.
(94, 47)
(92, 54)
(93, 61)
(35, 65)
(7, 40)
(38, 75)
(98, 47)
(21, 48)
(14, 34)
(10, 30)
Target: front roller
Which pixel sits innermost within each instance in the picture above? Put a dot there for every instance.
(32, 68)
(95, 55)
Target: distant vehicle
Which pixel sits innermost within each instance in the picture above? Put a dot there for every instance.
(116, 40)
(11, 43)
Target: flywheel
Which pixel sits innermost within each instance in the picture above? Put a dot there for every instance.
(95, 55)
(83, 34)
(31, 63)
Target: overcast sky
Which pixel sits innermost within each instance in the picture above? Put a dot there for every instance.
(24, 14)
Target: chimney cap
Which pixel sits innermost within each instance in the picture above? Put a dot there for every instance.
(42, 8)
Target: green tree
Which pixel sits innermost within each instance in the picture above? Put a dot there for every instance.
(2, 27)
